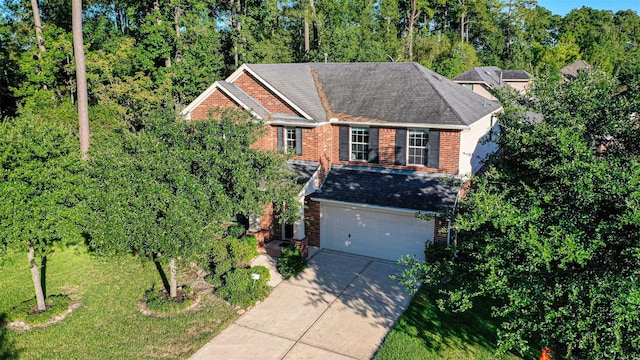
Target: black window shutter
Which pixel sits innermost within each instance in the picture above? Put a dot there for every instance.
(433, 159)
(401, 146)
(299, 141)
(344, 143)
(280, 130)
(374, 143)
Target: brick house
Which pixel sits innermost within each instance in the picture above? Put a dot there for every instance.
(374, 144)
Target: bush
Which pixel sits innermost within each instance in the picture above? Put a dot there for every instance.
(241, 290)
(230, 253)
(236, 231)
(291, 262)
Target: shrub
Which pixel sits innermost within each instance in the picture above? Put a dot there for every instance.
(230, 253)
(241, 290)
(236, 231)
(291, 261)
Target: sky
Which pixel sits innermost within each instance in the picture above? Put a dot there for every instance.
(562, 7)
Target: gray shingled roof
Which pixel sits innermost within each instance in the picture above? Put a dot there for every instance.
(376, 92)
(571, 71)
(245, 99)
(303, 169)
(491, 75)
(410, 190)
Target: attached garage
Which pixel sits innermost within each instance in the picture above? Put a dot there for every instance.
(378, 233)
(372, 211)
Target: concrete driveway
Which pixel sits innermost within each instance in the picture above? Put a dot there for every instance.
(341, 307)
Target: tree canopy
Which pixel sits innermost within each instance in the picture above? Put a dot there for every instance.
(550, 231)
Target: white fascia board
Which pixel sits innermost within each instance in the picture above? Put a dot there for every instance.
(296, 124)
(378, 208)
(403, 125)
(216, 86)
(186, 112)
(311, 186)
(482, 118)
(236, 74)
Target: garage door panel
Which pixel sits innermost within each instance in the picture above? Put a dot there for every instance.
(374, 233)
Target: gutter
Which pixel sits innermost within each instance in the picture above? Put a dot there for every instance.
(376, 207)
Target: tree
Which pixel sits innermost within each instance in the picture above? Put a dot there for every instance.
(551, 231)
(40, 186)
(165, 191)
(81, 78)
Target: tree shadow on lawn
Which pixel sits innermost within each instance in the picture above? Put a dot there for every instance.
(446, 329)
(7, 346)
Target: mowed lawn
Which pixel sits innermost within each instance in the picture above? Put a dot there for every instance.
(424, 332)
(108, 325)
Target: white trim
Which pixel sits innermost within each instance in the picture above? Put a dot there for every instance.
(378, 208)
(403, 125)
(426, 148)
(244, 67)
(186, 112)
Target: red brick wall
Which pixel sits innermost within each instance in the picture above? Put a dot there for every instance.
(262, 95)
(312, 217)
(269, 140)
(216, 100)
(449, 151)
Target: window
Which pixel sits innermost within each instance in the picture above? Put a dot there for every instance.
(359, 144)
(290, 136)
(417, 147)
(290, 139)
(468, 86)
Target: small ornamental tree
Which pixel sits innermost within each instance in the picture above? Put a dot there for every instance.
(163, 192)
(551, 231)
(41, 181)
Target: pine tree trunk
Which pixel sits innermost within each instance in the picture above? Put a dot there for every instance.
(35, 276)
(173, 287)
(81, 77)
(38, 24)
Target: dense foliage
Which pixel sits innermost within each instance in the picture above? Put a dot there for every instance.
(165, 191)
(291, 262)
(551, 230)
(141, 55)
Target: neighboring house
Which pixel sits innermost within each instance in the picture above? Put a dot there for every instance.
(570, 72)
(484, 79)
(374, 144)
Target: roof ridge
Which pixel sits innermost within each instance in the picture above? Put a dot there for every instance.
(437, 90)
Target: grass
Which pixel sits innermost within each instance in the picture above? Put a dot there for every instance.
(424, 332)
(108, 325)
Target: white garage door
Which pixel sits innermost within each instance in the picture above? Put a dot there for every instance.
(380, 234)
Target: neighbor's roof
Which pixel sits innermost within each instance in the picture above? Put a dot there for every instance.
(385, 93)
(491, 75)
(400, 189)
(571, 71)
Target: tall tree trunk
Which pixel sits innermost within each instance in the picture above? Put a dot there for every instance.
(413, 15)
(38, 24)
(39, 39)
(35, 276)
(306, 37)
(81, 77)
(173, 287)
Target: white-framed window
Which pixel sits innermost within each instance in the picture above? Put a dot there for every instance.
(290, 139)
(359, 144)
(417, 150)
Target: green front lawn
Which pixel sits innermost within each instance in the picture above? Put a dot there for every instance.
(424, 332)
(108, 325)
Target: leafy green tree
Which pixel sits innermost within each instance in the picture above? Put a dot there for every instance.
(163, 192)
(551, 231)
(41, 182)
